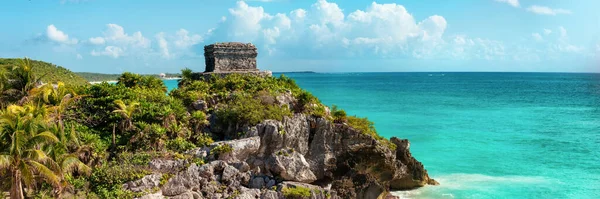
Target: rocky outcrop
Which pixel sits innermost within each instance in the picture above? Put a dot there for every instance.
(167, 166)
(332, 160)
(415, 175)
(290, 165)
(146, 183)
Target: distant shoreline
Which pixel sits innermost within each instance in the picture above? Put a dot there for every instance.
(115, 81)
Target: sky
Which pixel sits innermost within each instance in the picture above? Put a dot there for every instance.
(154, 36)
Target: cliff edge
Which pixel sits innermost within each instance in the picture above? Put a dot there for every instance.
(304, 154)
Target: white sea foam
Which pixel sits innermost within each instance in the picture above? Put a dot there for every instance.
(462, 181)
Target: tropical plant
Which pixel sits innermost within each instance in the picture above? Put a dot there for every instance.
(22, 135)
(58, 97)
(20, 81)
(67, 153)
(126, 111)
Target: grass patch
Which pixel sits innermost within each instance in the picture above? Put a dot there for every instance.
(368, 128)
(296, 192)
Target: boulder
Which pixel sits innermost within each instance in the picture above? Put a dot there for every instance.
(245, 193)
(157, 195)
(269, 194)
(415, 174)
(146, 183)
(242, 149)
(167, 165)
(290, 165)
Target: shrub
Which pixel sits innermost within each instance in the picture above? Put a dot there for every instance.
(368, 128)
(203, 140)
(339, 115)
(244, 109)
(139, 158)
(296, 192)
(221, 149)
(106, 180)
(180, 145)
(149, 137)
(132, 80)
(165, 178)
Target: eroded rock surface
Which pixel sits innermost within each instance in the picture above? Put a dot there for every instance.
(332, 160)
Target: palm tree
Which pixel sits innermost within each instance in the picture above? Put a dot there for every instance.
(186, 76)
(23, 79)
(126, 111)
(23, 135)
(67, 153)
(58, 97)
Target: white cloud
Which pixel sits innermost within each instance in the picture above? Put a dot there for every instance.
(513, 3)
(111, 51)
(163, 44)
(563, 44)
(97, 40)
(463, 47)
(547, 31)
(537, 37)
(115, 33)
(119, 43)
(178, 44)
(298, 14)
(79, 56)
(183, 39)
(543, 10)
(563, 32)
(385, 30)
(56, 35)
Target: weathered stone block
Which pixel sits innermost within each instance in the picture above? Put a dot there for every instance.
(230, 57)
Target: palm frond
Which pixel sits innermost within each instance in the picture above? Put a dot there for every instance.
(43, 138)
(5, 161)
(71, 163)
(48, 175)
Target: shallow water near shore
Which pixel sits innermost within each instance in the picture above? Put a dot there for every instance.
(482, 135)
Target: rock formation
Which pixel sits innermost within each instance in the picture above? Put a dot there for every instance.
(302, 156)
(331, 160)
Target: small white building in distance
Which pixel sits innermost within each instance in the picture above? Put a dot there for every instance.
(162, 75)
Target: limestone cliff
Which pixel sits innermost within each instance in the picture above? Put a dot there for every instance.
(331, 160)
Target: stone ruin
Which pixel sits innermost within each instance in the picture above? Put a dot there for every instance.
(230, 57)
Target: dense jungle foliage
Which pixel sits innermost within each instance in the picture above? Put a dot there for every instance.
(71, 140)
(47, 72)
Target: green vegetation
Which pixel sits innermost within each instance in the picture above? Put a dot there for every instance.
(100, 77)
(82, 140)
(367, 127)
(297, 192)
(165, 178)
(47, 72)
(220, 150)
(339, 115)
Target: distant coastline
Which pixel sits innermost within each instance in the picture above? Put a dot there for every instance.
(97, 78)
(297, 72)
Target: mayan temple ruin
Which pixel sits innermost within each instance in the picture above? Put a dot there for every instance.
(225, 58)
(230, 57)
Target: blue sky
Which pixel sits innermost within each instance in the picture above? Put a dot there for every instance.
(152, 36)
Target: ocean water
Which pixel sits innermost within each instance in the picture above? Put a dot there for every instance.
(482, 135)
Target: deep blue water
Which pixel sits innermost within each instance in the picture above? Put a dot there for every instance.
(482, 135)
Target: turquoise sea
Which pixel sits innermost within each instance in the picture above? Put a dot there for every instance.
(482, 135)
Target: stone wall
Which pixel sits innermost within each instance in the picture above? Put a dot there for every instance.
(230, 57)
